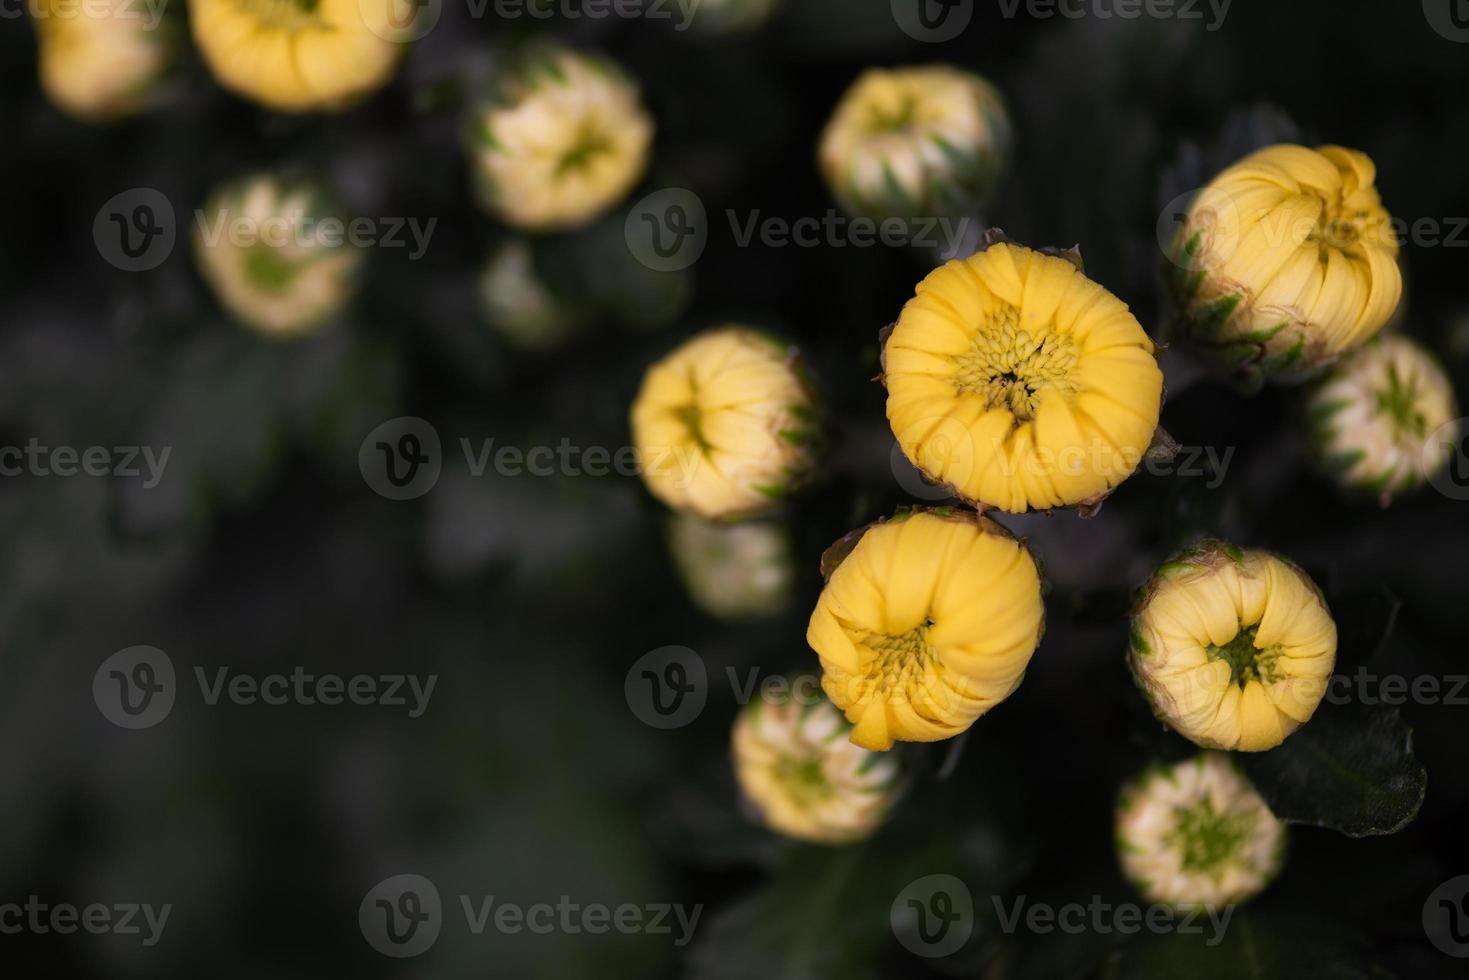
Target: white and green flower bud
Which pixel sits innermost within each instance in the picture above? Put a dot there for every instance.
(274, 254)
(520, 306)
(802, 776)
(1375, 420)
(1198, 834)
(927, 142)
(733, 571)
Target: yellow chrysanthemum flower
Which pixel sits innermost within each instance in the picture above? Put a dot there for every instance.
(301, 55)
(915, 142)
(1285, 261)
(1197, 834)
(565, 138)
(725, 426)
(274, 256)
(104, 60)
(1234, 649)
(1020, 383)
(802, 776)
(733, 570)
(1373, 417)
(927, 623)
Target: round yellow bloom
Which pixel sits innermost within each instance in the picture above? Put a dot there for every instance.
(1020, 383)
(928, 622)
(274, 255)
(916, 142)
(803, 778)
(1197, 834)
(1233, 648)
(565, 139)
(1373, 417)
(103, 60)
(301, 55)
(733, 570)
(1285, 261)
(725, 426)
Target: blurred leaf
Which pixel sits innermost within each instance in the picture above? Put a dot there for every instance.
(1350, 769)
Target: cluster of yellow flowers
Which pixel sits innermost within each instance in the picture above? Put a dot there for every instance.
(1018, 383)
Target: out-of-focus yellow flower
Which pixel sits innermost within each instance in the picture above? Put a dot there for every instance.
(733, 570)
(804, 778)
(104, 59)
(274, 255)
(565, 138)
(1374, 414)
(301, 55)
(1285, 261)
(927, 623)
(1233, 648)
(1020, 383)
(718, 17)
(1197, 834)
(725, 426)
(915, 142)
(520, 306)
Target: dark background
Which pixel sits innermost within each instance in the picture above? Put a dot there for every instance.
(529, 778)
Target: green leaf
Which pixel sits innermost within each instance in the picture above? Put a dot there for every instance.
(1350, 769)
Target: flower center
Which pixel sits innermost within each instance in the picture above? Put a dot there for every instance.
(590, 143)
(268, 271)
(804, 779)
(899, 662)
(289, 14)
(893, 118)
(1247, 662)
(1337, 228)
(1399, 401)
(1009, 366)
(1208, 839)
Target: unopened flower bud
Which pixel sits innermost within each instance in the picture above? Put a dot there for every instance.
(564, 138)
(102, 61)
(927, 622)
(301, 55)
(1234, 649)
(801, 775)
(1285, 261)
(1197, 834)
(521, 306)
(720, 17)
(275, 254)
(915, 143)
(733, 570)
(726, 425)
(1020, 383)
(1375, 420)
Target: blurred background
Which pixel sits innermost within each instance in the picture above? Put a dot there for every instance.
(529, 776)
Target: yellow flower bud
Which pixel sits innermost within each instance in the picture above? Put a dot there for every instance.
(804, 778)
(1197, 834)
(1234, 649)
(301, 55)
(733, 570)
(725, 426)
(1285, 261)
(519, 305)
(927, 623)
(565, 138)
(915, 142)
(1373, 417)
(102, 61)
(262, 247)
(1020, 383)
